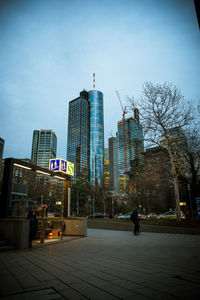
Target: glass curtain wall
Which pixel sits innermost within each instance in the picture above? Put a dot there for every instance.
(134, 145)
(44, 147)
(78, 135)
(96, 137)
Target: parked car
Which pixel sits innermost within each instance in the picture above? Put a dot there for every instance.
(142, 216)
(128, 216)
(98, 215)
(125, 216)
(152, 215)
(170, 215)
(53, 214)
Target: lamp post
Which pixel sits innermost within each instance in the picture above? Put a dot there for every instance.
(190, 201)
(93, 207)
(77, 202)
(112, 206)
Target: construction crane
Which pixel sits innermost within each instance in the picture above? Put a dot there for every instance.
(124, 111)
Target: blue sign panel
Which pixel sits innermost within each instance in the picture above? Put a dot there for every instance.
(64, 165)
(61, 165)
(54, 165)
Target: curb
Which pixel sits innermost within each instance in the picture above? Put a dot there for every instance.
(144, 228)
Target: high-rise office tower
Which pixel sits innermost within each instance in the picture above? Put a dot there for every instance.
(134, 145)
(78, 135)
(113, 163)
(85, 142)
(44, 146)
(106, 170)
(1, 147)
(96, 137)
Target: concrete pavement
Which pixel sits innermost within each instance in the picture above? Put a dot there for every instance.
(105, 265)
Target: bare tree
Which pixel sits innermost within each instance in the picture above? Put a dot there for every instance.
(190, 150)
(164, 113)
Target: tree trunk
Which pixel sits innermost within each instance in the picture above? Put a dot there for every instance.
(176, 185)
(177, 197)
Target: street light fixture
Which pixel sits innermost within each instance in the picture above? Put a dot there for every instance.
(77, 202)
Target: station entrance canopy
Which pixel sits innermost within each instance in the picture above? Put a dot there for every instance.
(64, 174)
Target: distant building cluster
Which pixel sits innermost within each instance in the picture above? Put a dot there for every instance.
(110, 167)
(122, 170)
(85, 143)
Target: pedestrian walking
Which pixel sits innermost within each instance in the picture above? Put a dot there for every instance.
(136, 220)
(33, 226)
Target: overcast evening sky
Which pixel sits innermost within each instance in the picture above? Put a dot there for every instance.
(49, 50)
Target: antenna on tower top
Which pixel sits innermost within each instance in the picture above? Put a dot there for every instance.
(93, 80)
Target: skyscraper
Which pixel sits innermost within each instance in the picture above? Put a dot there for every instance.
(134, 146)
(106, 170)
(85, 142)
(113, 163)
(78, 135)
(44, 146)
(96, 137)
(1, 147)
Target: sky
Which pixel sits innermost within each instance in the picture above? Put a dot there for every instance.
(49, 50)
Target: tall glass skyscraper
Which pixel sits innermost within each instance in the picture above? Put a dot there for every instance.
(96, 137)
(78, 135)
(44, 146)
(85, 142)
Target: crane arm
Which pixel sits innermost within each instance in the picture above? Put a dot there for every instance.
(120, 100)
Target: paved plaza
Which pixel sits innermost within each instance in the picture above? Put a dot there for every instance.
(105, 265)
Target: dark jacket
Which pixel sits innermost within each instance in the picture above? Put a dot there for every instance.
(33, 224)
(134, 217)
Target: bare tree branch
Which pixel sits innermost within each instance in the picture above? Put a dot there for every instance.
(164, 113)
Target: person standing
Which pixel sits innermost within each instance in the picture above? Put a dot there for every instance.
(33, 226)
(136, 220)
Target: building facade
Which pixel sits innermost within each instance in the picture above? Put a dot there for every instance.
(96, 137)
(106, 170)
(1, 147)
(32, 189)
(85, 142)
(113, 163)
(130, 148)
(78, 135)
(44, 146)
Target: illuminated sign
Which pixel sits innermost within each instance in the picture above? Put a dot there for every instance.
(61, 165)
(182, 203)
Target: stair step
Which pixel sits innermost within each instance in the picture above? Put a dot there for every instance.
(3, 243)
(6, 248)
